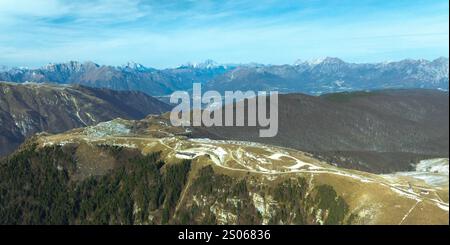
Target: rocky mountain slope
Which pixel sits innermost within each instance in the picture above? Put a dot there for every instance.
(132, 76)
(311, 77)
(147, 172)
(380, 131)
(26, 109)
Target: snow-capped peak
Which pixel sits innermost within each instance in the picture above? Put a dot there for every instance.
(134, 66)
(207, 64)
(69, 66)
(319, 61)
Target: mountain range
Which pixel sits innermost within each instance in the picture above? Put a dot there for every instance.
(89, 144)
(334, 75)
(310, 77)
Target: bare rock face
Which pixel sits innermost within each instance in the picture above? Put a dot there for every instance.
(131, 76)
(26, 109)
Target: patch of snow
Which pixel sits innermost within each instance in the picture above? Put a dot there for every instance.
(437, 165)
(434, 172)
(220, 153)
(90, 116)
(277, 156)
(183, 155)
(406, 194)
(298, 165)
(442, 206)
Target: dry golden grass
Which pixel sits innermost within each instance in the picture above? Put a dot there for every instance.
(374, 199)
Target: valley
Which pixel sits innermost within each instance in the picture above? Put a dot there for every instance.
(27, 109)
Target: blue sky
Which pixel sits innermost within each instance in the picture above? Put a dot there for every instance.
(172, 32)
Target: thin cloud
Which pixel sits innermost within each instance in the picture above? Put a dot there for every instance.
(168, 33)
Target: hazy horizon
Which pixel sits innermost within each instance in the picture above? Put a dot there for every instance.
(218, 63)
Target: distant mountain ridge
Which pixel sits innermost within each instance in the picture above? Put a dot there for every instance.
(379, 131)
(26, 109)
(318, 76)
(128, 77)
(334, 75)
